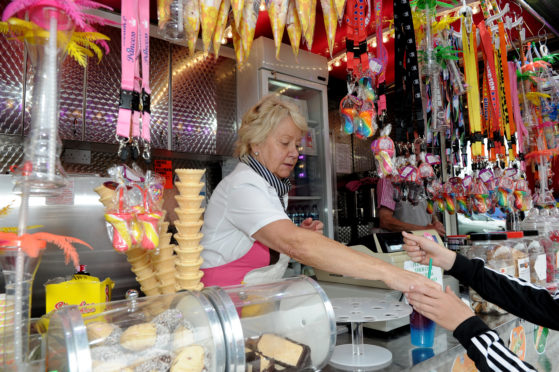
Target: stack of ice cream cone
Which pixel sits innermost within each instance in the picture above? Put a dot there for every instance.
(189, 223)
(106, 196)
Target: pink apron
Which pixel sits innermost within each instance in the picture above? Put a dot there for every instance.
(233, 273)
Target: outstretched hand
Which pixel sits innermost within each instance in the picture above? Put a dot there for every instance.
(444, 308)
(422, 249)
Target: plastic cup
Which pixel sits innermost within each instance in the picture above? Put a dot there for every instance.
(421, 354)
(422, 330)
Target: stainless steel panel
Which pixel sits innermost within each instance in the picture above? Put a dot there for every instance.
(11, 153)
(81, 218)
(226, 81)
(11, 84)
(103, 92)
(159, 84)
(194, 102)
(70, 124)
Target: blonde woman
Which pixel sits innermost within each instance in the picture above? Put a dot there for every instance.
(248, 236)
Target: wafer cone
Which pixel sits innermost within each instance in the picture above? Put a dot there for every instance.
(165, 276)
(164, 265)
(189, 281)
(186, 269)
(104, 191)
(189, 215)
(189, 202)
(196, 287)
(142, 271)
(148, 281)
(164, 239)
(165, 253)
(189, 189)
(188, 228)
(188, 255)
(186, 241)
(188, 175)
(134, 253)
(169, 288)
(163, 227)
(139, 259)
(151, 291)
(108, 202)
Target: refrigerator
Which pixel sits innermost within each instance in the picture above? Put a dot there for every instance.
(302, 80)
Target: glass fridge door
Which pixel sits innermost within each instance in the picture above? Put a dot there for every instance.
(311, 192)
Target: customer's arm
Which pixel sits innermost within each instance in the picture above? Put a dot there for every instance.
(482, 344)
(323, 253)
(516, 296)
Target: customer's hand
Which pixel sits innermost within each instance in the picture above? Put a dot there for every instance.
(422, 249)
(313, 225)
(444, 308)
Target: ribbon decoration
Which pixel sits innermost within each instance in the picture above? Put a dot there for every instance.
(382, 55)
(469, 47)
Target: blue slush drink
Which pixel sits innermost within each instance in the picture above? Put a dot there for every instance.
(422, 330)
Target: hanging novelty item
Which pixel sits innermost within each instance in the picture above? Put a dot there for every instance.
(383, 148)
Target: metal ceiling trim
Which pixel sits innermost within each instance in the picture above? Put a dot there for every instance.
(536, 15)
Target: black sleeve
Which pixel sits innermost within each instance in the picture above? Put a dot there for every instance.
(523, 299)
(486, 349)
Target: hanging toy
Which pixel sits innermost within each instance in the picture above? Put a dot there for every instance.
(383, 148)
(366, 127)
(522, 198)
(505, 188)
(349, 113)
(118, 223)
(448, 195)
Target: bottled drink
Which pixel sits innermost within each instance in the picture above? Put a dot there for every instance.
(314, 212)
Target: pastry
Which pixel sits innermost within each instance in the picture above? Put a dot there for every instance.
(170, 319)
(139, 337)
(283, 351)
(189, 359)
(158, 362)
(109, 358)
(182, 336)
(97, 332)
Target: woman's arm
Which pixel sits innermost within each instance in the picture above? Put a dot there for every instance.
(326, 254)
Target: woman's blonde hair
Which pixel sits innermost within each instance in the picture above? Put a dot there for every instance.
(263, 118)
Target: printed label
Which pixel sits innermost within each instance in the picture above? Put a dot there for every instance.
(540, 267)
(523, 268)
(518, 342)
(486, 175)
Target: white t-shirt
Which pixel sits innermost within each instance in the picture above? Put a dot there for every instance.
(242, 203)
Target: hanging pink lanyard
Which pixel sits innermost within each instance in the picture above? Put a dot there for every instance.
(129, 99)
(134, 85)
(146, 91)
(382, 55)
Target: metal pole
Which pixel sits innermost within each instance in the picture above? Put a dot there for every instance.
(531, 10)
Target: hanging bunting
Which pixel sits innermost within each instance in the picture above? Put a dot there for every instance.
(237, 43)
(304, 12)
(277, 11)
(293, 27)
(248, 24)
(309, 34)
(221, 25)
(237, 6)
(192, 23)
(339, 5)
(209, 10)
(329, 13)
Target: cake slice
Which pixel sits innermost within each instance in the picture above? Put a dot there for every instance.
(283, 351)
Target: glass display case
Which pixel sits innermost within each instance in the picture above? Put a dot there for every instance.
(284, 325)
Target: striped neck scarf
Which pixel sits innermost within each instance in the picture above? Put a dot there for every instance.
(282, 186)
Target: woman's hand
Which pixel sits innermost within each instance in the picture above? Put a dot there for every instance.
(444, 308)
(422, 249)
(313, 225)
(401, 280)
